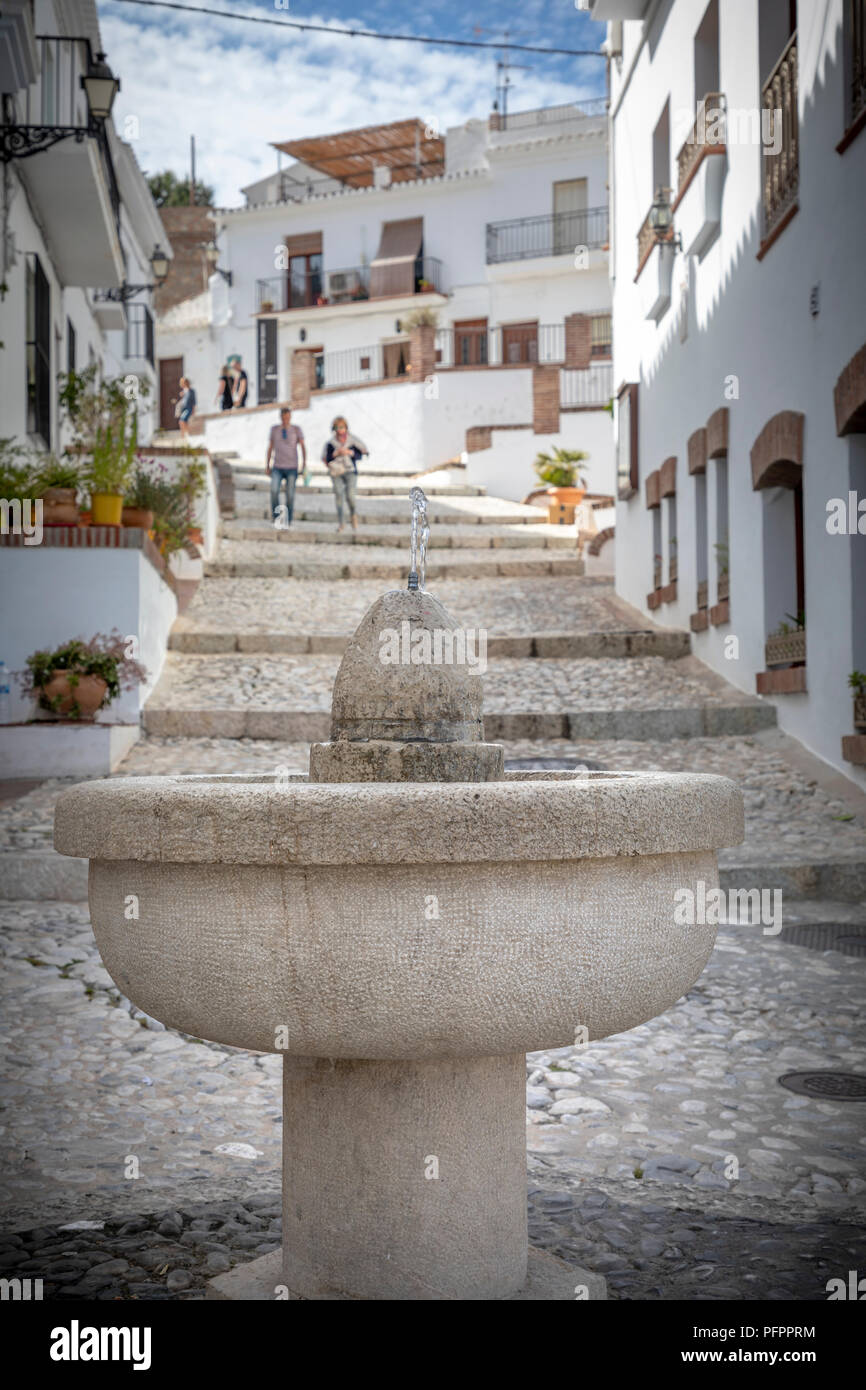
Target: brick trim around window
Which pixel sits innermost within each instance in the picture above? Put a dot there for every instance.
(777, 453)
(849, 396)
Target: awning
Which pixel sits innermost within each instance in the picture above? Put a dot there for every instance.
(392, 270)
(305, 244)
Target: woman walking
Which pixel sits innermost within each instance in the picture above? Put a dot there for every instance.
(185, 406)
(224, 389)
(340, 456)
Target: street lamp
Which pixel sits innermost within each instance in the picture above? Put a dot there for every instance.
(121, 293)
(101, 87)
(661, 219)
(212, 255)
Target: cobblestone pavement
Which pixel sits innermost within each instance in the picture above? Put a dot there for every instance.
(632, 1141)
(305, 682)
(138, 1162)
(788, 815)
(502, 606)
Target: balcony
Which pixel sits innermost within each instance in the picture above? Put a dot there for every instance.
(280, 293)
(655, 266)
(781, 171)
(557, 234)
(701, 169)
(71, 180)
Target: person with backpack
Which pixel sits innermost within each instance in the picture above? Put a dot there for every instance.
(340, 456)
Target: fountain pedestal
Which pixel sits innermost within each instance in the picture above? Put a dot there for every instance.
(402, 944)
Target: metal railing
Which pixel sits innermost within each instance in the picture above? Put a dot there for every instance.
(352, 366)
(556, 234)
(708, 132)
(781, 172)
(590, 109)
(588, 386)
(498, 346)
(277, 293)
(138, 338)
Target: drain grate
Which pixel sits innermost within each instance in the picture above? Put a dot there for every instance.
(845, 937)
(825, 1085)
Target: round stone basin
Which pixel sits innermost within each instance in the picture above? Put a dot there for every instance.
(416, 921)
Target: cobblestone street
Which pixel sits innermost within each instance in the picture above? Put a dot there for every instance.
(139, 1162)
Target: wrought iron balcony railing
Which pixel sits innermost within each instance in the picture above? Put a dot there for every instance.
(556, 234)
(708, 134)
(781, 170)
(316, 289)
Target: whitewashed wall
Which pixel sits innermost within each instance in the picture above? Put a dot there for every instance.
(751, 320)
(51, 596)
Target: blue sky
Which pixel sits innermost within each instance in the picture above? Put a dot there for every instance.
(237, 87)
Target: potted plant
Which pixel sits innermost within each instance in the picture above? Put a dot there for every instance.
(105, 419)
(16, 474)
(140, 500)
(57, 483)
(266, 306)
(857, 682)
(561, 470)
(78, 678)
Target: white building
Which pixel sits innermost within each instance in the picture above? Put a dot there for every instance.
(498, 226)
(740, 341)
(78, 226)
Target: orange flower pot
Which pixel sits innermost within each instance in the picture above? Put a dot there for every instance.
(88, 694)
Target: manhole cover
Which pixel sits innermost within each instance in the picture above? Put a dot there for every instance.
(825, 1085)
(551, 765)
(845, 937)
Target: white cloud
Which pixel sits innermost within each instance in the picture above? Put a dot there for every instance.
(237, 87)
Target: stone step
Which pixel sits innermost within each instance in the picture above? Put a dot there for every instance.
(479, 511)
(396, 535)
(671, 644)
(288, 696)
(362, 564)
(368, 486)
(255, 465)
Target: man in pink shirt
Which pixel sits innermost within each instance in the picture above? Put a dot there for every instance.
(283, 443)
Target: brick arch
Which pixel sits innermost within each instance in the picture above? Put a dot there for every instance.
(849, 396)
(777, 453)
(600, 539)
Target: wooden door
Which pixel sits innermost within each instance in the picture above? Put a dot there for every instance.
(470, 343)
(520, 342)
(170, 373)
(394, 359)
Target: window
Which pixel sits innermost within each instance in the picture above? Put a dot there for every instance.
(706, 53)
(701, 539)
(470, 343)
(855, 62)
(520, 342)
(38, 351)
(721, 541)
(569, 215)
(662, 151)
(305, 280)
(626, 442)
(70, 346)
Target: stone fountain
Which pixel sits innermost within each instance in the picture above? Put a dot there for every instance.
(403, 925)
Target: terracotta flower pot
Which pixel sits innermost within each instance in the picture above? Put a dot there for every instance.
(85, 519)
(569, 496)
(564, 502)
(137, 516)
(59, 507)
(196, 536)
(107, 508)
(88, 694)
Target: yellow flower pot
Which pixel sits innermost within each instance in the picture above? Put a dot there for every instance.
(106, 508)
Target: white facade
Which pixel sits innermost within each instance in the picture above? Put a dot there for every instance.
(545, 265)
(757, 314)
(77, 220)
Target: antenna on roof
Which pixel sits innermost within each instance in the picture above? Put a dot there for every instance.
(504, 66)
